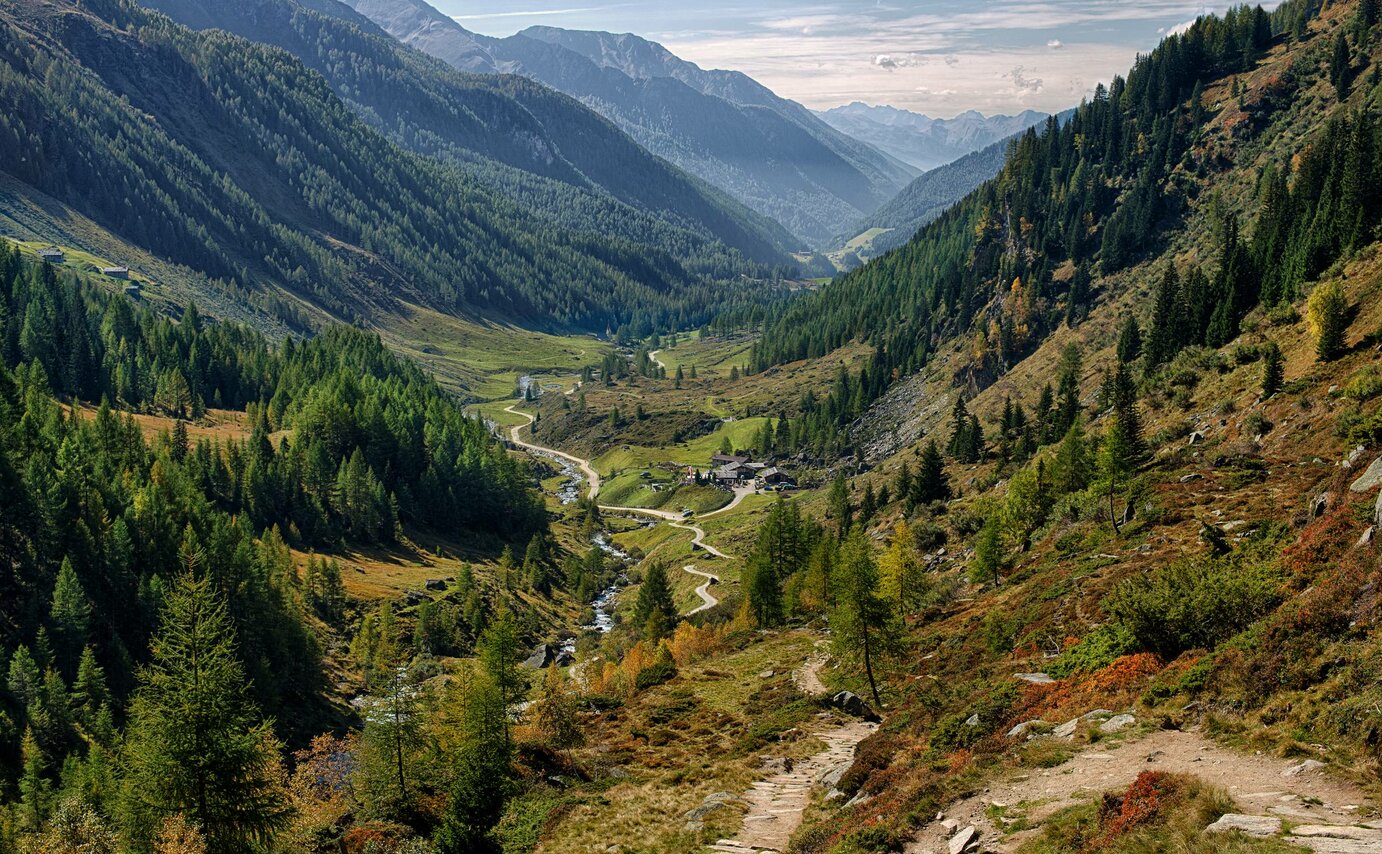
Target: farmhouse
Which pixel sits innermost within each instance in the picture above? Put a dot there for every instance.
(52, 255)
(717, 460)
(776, 477)
(116, 272)
(732, 473)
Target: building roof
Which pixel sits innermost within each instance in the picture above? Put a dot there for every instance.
(722, 459)
(775, 472)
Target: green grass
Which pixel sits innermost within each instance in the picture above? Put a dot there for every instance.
(712, 357)
(696, 452)
(486, 359)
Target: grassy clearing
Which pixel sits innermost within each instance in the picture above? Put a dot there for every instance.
(712, 357)
(696, 452)
(486, 359)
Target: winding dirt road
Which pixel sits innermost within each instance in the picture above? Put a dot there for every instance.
(593, 490)
(708, 599)
(592, 477)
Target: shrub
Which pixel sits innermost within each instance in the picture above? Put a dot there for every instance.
(1365, 384)
(955, 731)
(1095, 651)
(1256, 424)
(1192, 604)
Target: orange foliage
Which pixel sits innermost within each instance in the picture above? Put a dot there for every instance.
(1142, 802)
(690, 643)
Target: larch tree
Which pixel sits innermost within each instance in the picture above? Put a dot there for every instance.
(863, 625)
(655, 612)
(196, 744)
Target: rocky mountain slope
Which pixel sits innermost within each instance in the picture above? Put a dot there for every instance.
(770, 153)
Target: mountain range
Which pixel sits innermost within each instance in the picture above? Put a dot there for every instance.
(922, 141)
(316, 164)
(772, 154)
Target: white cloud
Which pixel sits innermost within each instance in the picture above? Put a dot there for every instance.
(1056, 44)
(903, 60)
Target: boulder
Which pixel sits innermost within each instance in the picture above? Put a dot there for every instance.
(1067, 729)
(1366, 540)
(1024, 727)
(1034, 678)
(972, 720)
(1370, 479)
(435, 584)
(852, 704)
(1351, 460)
(564, 659)
(541, 656)
(1117, 723)
(695, 817)
(776, 764)
(1196, 438)
(1377, 512)
(1260, 826)
(964, 840)
(1194, 475)
(1306, 767)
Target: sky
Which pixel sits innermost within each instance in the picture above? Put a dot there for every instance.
(939, 57)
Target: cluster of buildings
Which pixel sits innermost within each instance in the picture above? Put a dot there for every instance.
(730, 470)
(54, 255)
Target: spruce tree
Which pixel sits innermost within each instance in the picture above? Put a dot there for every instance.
(1341, 66)
(195, 743)
(655, 612)
(1163, 331)
(932, 483)
(71, 616)
(1273, 370)
(840, 508)
(498, 650)
(1129, 341)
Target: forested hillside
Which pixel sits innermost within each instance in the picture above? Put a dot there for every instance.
(265, 178)
(1097, 193)
(566, 164)
(100, 529)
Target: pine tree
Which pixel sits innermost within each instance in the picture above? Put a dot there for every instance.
(679, 377)
(1273, 370)
(195, 744)
(71, 616)
(840, 507)
(655, 612)
(1163, 332)
(988, 550)
(1129, 341)
(863, 625)
(481, 772)
(1070, 470)
(1341, 66)
(932, 483)
(498, 649)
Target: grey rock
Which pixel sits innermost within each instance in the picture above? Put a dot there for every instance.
(1067, 729)
(1370, 479)
(852, 704)
(857, 799)
(831, 778)
(712, 803)
(435, 584)
(1377, 512)
(1034, 678)
(1366, 540)
(1306, 767)
(1196, 438)
(972, 720)
(1117, 723)
(1250, 825)
(1194, 475)
(1351, 460)
(1338, 831)
(1319, 504)
(1025, 727)
(766, 674)
(541, 656)
(776, 764)
(962, 841)
(950, 825)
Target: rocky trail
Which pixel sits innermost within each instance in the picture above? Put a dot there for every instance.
(776, 804)
(1324, 813)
